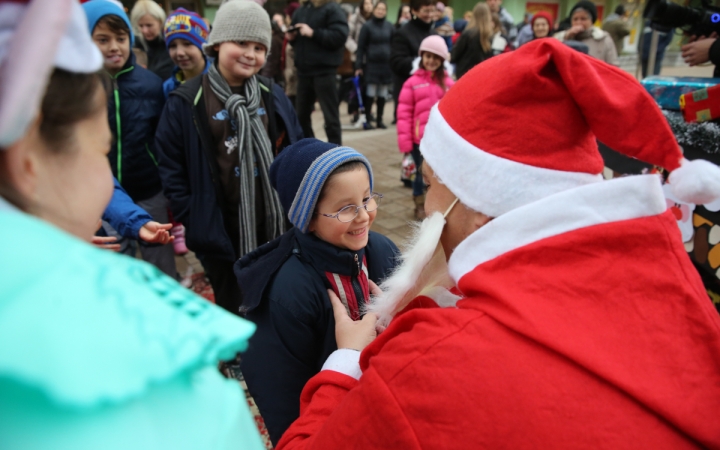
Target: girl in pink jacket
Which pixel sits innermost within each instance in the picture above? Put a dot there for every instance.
(425, 87)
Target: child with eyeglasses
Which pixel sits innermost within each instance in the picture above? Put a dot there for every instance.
(327, 193)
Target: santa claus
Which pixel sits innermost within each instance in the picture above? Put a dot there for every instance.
(573, 318)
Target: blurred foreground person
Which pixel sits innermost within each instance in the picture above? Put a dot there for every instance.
(99, 350)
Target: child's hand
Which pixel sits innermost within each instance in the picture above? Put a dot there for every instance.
(105, 243)
(355, 335)
(156, 233)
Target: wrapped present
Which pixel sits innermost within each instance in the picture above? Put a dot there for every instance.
(667, 90)
(701, 105)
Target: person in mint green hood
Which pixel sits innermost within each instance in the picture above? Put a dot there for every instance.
(135, 103)
(98, 350)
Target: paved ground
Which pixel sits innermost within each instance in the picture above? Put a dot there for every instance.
(380, 146)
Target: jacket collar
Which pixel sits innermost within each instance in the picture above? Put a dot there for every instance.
(593, 204)
(326, 257)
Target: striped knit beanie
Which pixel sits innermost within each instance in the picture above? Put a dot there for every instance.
(186, 25)
(300, 171)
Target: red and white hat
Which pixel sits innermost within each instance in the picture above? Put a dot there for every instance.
(35, 37)
(523, 126)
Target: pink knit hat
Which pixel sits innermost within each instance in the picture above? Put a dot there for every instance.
(435, 45)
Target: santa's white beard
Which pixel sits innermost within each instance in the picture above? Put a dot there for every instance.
(422, 268)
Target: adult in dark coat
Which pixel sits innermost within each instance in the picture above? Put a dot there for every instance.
(406, 43)
(149, 18)
(373, 60)
(319, 42)
(475, 43)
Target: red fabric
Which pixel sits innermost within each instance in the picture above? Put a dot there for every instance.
(417, 97)
(544, 104)
(350, 299)
(559, 344)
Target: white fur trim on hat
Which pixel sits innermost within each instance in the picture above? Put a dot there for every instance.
(485, 182)
(696, 181)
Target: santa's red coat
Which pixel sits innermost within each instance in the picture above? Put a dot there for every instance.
(584, 325)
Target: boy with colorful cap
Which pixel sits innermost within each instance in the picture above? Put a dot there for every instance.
(327, 192)
(217, 138)
(185, 33)
(134, 107)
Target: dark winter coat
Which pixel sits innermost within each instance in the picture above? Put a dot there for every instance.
(715, 57)
(467, 52)
(135, 104)
(189, 168)
(159, 61)
(373, 53)
(296, 327)
(323, 52)
(405, 45)
(124, 215)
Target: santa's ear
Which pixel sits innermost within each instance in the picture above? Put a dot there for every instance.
(480, 219)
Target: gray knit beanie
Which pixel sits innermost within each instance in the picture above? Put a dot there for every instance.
(239, 20)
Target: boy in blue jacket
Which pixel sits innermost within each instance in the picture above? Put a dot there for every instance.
(216, 139)
(134, 107)
(328, 193)
(185, 33)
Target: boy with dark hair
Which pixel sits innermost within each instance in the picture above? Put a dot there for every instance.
(134, 107)
(217, 137)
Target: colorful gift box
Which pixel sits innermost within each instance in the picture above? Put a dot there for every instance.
(667, 90)
(701, 105)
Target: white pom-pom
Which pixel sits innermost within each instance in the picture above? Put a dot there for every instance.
(696, 181)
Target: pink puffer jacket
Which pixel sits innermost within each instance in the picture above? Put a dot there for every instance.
(419, 94)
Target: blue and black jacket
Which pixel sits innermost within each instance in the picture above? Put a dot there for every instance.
(189, 168)
(284, 287)
(124, 215)
(134, 107)
(176, 79)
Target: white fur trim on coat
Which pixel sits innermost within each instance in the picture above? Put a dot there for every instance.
(346, 361)
(610, 201)
(485, 182)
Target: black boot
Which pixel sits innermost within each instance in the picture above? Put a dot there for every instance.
(380, 108)
(368, 113)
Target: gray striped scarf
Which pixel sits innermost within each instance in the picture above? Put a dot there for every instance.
(253, 148)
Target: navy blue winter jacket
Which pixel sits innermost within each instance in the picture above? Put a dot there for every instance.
(124, 215)
(134, 107)
(189, 169)
(284, 286)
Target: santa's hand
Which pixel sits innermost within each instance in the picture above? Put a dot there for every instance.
(355, 335)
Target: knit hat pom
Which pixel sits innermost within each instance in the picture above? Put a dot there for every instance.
(696, 181)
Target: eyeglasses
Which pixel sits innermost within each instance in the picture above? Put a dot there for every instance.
(350, 212)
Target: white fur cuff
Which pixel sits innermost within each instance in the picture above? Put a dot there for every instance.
(345, 361)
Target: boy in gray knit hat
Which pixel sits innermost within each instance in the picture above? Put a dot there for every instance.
(218, 136)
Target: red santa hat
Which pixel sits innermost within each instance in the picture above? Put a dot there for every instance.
(523, 126)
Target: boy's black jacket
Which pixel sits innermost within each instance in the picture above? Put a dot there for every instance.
(135, 103)
(284, 291)
(189, 169)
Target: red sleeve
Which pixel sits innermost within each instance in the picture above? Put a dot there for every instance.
(337, 411)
